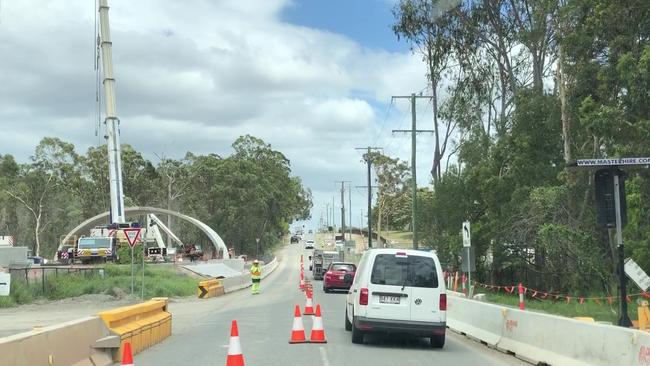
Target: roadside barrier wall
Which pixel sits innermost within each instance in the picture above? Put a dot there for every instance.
(144, 325)
(236, 283)
(549, 339)
(69, 343)
(209, 288)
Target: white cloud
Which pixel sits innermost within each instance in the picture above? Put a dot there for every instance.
(194, 75)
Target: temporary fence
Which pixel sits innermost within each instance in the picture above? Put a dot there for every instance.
(37, 277)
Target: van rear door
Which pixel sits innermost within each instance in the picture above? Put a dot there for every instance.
(425, 290)
(389, 297)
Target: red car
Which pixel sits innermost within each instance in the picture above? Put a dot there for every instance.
(339, 275)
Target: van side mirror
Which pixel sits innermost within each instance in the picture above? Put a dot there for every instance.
(310, 257)
(347, 278)
(310, 267)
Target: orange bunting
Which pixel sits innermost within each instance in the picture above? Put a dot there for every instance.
(629, 299)
(581, 300)
(597, 301)
(568, 299)
(534, 294)
(610, 299)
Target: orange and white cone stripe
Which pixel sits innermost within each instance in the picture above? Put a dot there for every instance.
(317, 331)
(309, 306)
(127, 355)
(235, 356)
(298, 330)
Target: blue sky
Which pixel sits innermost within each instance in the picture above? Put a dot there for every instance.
(366, 21)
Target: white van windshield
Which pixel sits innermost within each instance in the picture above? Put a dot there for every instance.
(412, 271)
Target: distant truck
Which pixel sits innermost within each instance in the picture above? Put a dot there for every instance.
(321, 260)
(96, 249)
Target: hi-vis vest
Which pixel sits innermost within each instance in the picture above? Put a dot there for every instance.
(256, 272)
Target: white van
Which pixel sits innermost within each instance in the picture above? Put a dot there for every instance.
(398, 291)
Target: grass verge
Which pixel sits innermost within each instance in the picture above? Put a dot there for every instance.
(160, 281)
(600, 312)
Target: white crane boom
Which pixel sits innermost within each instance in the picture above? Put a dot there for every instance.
(164, 227)
(111, 121)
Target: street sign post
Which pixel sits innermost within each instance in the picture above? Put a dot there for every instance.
(132, 235)
(637, 274)
(467, 240)
(5, 284)
(617, 187)
(468, 254)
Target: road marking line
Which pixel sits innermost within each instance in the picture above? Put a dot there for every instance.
(323, 356)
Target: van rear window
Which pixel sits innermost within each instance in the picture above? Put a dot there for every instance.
(412, 271)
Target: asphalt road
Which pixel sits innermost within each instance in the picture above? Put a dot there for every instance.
(201, 332)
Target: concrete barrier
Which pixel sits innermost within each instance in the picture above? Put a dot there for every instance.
(81, 342)
(236, 283)
(144, 325)
(209, 288)
(548, 339)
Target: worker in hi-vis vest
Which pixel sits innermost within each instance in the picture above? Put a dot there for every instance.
(256, 276)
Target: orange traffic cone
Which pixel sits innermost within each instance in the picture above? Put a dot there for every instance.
(127, 355)
(309, 306)
(298, 330)
(317, 331)
(235, 356)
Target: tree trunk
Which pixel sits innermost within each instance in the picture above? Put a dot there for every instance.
(37, 229)
(564, 109)
(169, 207)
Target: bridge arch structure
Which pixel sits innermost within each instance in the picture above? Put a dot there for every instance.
(85, 226)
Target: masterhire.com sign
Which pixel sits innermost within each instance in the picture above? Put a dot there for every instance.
(613, 162)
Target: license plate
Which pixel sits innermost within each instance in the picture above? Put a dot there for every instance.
(341, 277)
(389, 299)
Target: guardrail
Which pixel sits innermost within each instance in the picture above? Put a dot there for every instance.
(209, 288)
(548, 339)
(77, 342)
(144, 325)
(236, 283)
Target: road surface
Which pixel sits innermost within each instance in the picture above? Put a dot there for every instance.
(201, 333)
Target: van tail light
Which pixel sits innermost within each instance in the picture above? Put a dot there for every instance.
(363, 297)
(443, 302)
(328, 273)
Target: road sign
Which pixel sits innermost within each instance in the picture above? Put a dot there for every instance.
(612, 162)
(5, 284)
(467, 241)
(468, 264)
(132, 235)
(637, 274)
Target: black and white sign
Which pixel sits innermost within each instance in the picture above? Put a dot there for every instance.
(612, 162)
(467, 241)
(5, 284)
(637, 274)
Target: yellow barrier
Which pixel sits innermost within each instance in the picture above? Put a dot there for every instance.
(144, 325)
(209, 288)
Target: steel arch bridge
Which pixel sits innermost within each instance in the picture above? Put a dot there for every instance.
(85, 226)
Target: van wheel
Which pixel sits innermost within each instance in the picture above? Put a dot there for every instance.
(438, 341)
(348, 325)
(357, 335)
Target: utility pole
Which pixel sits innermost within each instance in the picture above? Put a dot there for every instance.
(414, 183)
(350, 207)
(368, 159)
(333, 217)
(327, 208)
(343, 206)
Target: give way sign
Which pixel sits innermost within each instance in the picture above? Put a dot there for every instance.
(132, 235)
